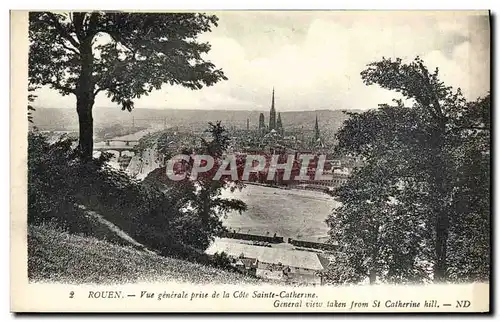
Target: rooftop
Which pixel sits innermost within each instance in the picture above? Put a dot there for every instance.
(287, 257)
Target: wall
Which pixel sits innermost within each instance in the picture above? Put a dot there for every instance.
(309, 244)
(268, 239)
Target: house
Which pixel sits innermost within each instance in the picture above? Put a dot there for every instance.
(277, 263)
(245, 265)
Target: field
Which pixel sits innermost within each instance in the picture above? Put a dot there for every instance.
(289, 213)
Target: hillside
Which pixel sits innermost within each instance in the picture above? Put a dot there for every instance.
(57, 256)
(66, 118)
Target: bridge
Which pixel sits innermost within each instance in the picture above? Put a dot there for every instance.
(116, 145)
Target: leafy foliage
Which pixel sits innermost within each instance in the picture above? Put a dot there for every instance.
(419, 207)
(222, 260)
(133, 53)
(125, 55)
(31, 99)
(200, 199)
(59, 181)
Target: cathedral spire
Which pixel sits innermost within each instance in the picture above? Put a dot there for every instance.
(272, 103)
(316, 130)
(272, 115)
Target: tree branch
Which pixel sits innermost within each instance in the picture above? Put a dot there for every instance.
(434, 99)
(117, 39)
(61, 87)
(78, 18)
(103, 88)
(93, 20)
(63, 32)
(73, 50)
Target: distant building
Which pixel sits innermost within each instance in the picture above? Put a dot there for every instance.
(279, 125)
(275, 123)
(316, 130)
(262, 123)
(272, 115)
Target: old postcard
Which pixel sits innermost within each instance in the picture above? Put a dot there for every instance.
(250, 161)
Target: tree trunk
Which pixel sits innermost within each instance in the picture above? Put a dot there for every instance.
(440, 269)
(86, 127)
(441, 228)
(85, 101)
(373, 276)
(205, 215)
(441, 210)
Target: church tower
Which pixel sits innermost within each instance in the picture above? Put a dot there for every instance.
(262, 123)
(279, 125)
(272, 115)
(316, 130)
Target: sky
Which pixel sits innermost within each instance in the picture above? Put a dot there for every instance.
(313, 59)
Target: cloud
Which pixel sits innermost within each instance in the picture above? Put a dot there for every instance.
(314, 59)
(468, 68)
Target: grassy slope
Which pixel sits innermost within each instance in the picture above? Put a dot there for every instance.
(57, 256)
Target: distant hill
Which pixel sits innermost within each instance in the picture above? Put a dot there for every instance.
(66, 118)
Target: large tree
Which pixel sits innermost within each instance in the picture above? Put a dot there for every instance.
(382, 223)
(422, 198)
(125, 55)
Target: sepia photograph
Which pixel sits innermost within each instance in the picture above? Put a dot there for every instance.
(251, 161)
